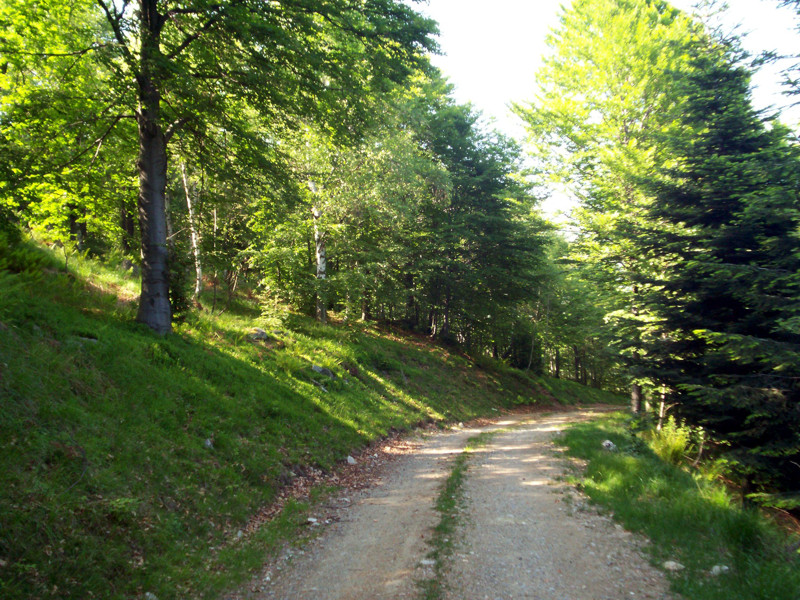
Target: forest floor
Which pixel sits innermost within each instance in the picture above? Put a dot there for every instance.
(521, 532)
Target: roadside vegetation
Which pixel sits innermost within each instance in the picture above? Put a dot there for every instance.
(651, 486)
(132, 462)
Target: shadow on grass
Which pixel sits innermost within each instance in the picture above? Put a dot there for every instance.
(128, 458)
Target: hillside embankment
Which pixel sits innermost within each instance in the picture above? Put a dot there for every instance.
(135, 464)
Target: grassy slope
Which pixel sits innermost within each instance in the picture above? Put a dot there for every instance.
(690, 517)
(108, 487)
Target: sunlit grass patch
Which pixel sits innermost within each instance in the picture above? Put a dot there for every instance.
(690, 517)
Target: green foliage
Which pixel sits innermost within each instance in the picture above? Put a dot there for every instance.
(689, 518)
(602, 90)
(671, 443)
(688, 220)
(424, 224)
(723, 298)
(228, 78)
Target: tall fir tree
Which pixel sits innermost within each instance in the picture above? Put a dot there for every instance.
(726, 221)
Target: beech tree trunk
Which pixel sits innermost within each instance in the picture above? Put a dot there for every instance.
(154, 307)
(662, 411)
(636, 398)
(77, 227)
(365, 314)
(558, 364)
(530, 356)
(128, 225)
(576, 359)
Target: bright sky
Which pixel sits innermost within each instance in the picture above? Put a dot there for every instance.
(493, 47)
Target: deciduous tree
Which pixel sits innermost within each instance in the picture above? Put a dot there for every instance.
(181, 65)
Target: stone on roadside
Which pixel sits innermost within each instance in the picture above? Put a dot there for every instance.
(717, 570)
(258, 334)
(351, 460)
(323, 371)
(673, 566)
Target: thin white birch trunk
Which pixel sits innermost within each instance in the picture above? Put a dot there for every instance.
(322, 267)
(195, 237)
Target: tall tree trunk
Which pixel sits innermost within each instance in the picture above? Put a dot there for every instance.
(662, 410)
(322, 267)
(411, 300)
(128, 225)
(558, 363)
(636, 397)
(636, 388)
(77, 227)
(154, 307)
(365, 314)
(445, 332)
(195, 237)
(577, 362)
(214, 253)
(530, 356)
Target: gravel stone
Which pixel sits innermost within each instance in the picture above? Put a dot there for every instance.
(526, 536)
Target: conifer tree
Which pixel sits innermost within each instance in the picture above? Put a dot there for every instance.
(725, 220)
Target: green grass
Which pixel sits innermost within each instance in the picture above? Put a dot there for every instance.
(690, 518)
(130, 461)
(571, 393)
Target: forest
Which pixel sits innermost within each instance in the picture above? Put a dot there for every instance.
(307, 153)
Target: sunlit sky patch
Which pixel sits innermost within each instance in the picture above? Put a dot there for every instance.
(492, 49)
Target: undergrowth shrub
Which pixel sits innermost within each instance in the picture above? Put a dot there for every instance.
(672, 442)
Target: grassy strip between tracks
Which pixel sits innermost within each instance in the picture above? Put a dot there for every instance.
(449, 505)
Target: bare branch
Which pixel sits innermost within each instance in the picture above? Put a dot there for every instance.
(122, 9)
(80, 52)
(98, 142)
(189, 11)
(114, 20)
(187, 41)
(174, 127)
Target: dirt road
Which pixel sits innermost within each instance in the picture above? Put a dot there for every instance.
(523, 535)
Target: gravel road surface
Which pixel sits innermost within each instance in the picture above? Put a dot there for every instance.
(527, 536)
(524, 535)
